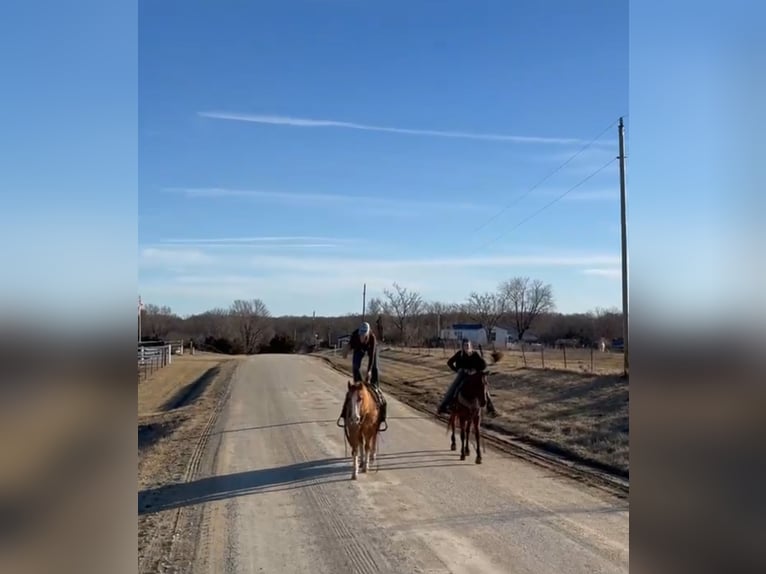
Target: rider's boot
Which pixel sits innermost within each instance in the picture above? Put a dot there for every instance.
(382, 417)
(444, 407)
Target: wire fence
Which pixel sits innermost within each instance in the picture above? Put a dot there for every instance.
(154, 355)
(535, 356)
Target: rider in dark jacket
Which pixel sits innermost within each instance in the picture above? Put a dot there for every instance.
(462, 362)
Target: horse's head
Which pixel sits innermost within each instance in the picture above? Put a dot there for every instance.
(355, 402)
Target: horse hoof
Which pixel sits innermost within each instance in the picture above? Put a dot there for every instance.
(353, 477)
(453, 447)
(478, 460)
(462, 457)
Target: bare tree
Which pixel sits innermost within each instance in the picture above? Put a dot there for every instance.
(158, 321)
(435, 315)
(487, 308)
(402, 305)
(374, 307)
(527, 299)
(251, 320)
(607, 323)
(217, 323)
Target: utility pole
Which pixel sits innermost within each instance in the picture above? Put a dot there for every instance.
(623, 222)
(313, 328)
(140, 308)
(364, 301)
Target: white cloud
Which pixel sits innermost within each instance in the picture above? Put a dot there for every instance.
(155, 257)
(336, 265)
(314, 123)
(180, 256)
(382, 205)
(287, 283)
(255, 240)
(610, 273)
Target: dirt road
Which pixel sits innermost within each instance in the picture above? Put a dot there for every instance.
(277, 494)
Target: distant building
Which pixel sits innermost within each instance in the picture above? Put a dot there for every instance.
(498, 336)
(474, 332)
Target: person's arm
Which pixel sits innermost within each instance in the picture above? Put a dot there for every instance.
(452, 360)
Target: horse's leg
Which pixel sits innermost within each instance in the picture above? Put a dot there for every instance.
(468, 436)
(462, 440)
(374, 451)
(451, 427)
(355, 460)
(476, 421)
(363, 453)
(468, 433)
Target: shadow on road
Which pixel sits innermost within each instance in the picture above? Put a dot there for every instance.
(277, 479)
(281, 425)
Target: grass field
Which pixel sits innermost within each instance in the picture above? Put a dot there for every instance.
(174, 405)
(580, 414)
(578, 360)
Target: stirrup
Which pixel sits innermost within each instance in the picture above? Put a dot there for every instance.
(380, 428)
(338, 422)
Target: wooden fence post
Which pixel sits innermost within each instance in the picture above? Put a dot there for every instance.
(591, 359)
(565, 356)
(542, 355)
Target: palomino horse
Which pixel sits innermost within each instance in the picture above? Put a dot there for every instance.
(361, 425)
(466, 410)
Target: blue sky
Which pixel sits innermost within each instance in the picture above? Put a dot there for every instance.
(293, 151)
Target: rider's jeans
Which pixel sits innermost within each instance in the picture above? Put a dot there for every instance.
(357, 366)
(452, 388)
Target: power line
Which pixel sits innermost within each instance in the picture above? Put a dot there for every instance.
(546, 206)
(543, 180)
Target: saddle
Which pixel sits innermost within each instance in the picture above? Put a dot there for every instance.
(376, 392)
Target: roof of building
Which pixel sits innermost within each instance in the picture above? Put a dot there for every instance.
(467, 326)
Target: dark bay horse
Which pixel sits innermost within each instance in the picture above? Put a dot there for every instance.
(466, 410)
(361, 425)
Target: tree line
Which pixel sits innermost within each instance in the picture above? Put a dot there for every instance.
(400, 315)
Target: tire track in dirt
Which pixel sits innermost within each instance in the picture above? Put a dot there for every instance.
(362, 558)
(161, 552)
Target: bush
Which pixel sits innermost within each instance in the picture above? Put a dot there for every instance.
(279, 344)
(221, 345)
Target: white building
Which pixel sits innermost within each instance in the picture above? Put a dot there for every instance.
(499, 337)
(474, 332)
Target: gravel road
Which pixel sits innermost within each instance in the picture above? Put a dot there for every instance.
(277, 496)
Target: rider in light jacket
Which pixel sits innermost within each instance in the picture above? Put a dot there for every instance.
(364, 342)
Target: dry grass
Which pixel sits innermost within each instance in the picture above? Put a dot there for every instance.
(174, 405)
(577, 360)
(584, 415)
(156, 391)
